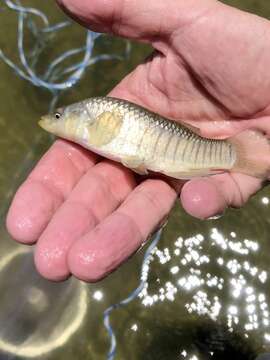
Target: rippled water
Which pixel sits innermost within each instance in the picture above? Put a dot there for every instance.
(207, 292)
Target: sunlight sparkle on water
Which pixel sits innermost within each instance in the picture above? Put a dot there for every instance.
(233, 310)
(98, 295)
(174, 269)
(188, 264)
(134, 327)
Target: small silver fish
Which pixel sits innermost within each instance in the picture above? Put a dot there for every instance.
(144, 141)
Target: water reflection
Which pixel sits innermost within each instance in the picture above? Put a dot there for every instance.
(36, 333)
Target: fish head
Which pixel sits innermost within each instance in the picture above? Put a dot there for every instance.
(67, 122)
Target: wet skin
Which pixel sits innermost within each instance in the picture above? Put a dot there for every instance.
(209, 67)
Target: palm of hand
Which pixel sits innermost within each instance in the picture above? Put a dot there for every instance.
(202, 72)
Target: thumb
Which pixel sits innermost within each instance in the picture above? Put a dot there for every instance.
(151, 20)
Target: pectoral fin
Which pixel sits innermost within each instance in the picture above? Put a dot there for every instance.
(135, 164)
(106, 127)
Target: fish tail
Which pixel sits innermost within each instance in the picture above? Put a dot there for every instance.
(252, 154)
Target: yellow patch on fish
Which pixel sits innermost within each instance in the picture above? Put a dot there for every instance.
(106, 127)
(71, 126)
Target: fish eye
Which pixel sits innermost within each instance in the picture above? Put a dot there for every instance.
(57, 115)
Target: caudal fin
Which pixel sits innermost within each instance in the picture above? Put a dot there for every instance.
(253, 154)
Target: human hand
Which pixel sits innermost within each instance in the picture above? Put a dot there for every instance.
(209, 68)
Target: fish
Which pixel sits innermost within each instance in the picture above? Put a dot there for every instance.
(145, 141)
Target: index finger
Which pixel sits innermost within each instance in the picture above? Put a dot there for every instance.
(46, 188)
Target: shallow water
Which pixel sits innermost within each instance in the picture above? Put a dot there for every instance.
(208, 283)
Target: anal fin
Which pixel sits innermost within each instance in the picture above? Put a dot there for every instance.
(135, 164)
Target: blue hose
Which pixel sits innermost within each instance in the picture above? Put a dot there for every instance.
(132, 296)
(50, 79)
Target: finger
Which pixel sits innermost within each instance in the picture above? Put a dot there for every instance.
(45, 189)
(98, 193)
(208, 197)
(145, 20)
(109, 244)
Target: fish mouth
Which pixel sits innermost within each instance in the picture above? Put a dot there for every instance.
(45, 122)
